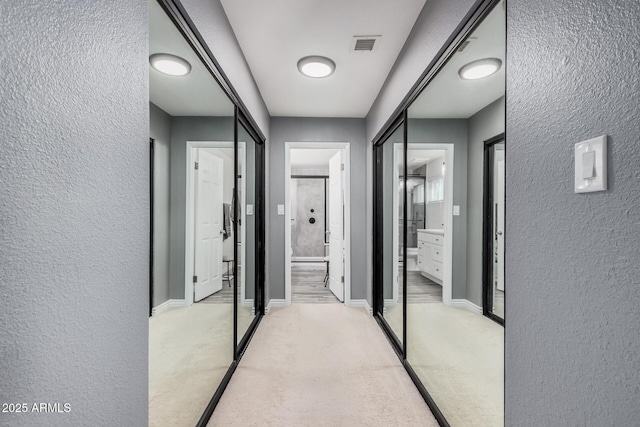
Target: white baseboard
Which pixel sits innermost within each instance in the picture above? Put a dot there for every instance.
(172, 303)
(361, 303)
(247, 303)
(275, 303)
(464, 303)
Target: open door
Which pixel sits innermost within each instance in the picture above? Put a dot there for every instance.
(499, 218)
(209, 225)
(336, 226)
(493, 234)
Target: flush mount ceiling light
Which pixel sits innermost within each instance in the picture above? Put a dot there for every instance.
(316, 66)
(480, 69)
(170, 64)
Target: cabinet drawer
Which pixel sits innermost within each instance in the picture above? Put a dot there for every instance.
(437, 270)
(437, 253)
(435, 239)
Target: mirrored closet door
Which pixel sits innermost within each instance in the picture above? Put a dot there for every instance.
(439, 227)
(207, 275)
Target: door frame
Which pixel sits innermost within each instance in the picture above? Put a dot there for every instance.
(449, 160)
(345, 148)
(487, 221)
(189, 248)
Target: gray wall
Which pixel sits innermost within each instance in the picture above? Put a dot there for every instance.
(187, 129)
(291, 129)
(483, 125)
(160, 124)
(572, 260)
(451, 131)
(74, 208)
(434, 25)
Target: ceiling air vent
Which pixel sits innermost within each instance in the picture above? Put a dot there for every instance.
(364, 43)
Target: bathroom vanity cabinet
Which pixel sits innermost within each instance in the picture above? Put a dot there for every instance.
(430, 253)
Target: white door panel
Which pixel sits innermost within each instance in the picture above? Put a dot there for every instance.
(336, 226)
(209, 225)
(499, 208)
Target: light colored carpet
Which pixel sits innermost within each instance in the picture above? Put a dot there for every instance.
(320, 365)
(190, 350)
(459, 357)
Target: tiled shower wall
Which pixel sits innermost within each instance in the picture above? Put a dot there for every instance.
(307, 239)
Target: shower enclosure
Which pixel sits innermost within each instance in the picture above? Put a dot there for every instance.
(415, 210)
(308, 220)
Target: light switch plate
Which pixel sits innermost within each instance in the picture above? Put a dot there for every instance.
(586, 165)
(456, 210)
(249, 209)
(280, 209)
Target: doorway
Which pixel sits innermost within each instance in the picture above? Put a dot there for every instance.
(317, 215)
(493, 229)
(209, 246)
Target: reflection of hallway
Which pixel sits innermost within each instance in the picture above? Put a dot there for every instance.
(308, 285)
(190, 350)
(458, 356)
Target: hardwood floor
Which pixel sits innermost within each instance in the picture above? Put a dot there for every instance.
(307, 284)
(420, 289)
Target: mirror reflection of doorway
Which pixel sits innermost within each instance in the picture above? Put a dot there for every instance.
(494, 220)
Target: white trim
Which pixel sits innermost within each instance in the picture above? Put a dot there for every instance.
(189, 248)
(361, 303)
(447, 277)
(345, 147)
(275, 303)
(172, 303)
(308, 259)
(465, 303)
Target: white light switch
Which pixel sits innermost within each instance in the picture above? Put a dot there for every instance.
(280, 209)
(249, 209)
(456, 210)
(588, 165)
(591, 165)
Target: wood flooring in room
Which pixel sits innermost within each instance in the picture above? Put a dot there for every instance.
(420, 289)
(307, 284)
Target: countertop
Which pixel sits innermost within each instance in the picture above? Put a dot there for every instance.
(439, 231)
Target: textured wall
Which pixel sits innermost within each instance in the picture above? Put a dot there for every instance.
(436, 23)
(187, 129)
(291, 129)
(572, 260)
(74, 209)
(483, 125)
(160, 125)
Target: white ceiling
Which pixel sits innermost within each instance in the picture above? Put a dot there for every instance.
(275, 34)
(311, 158)
(449, 96)
(196, 94)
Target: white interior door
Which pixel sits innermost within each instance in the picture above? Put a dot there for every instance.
(336, 227)
(209, 225)
(499, 219)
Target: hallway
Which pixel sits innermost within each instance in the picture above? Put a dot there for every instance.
(320, 365)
